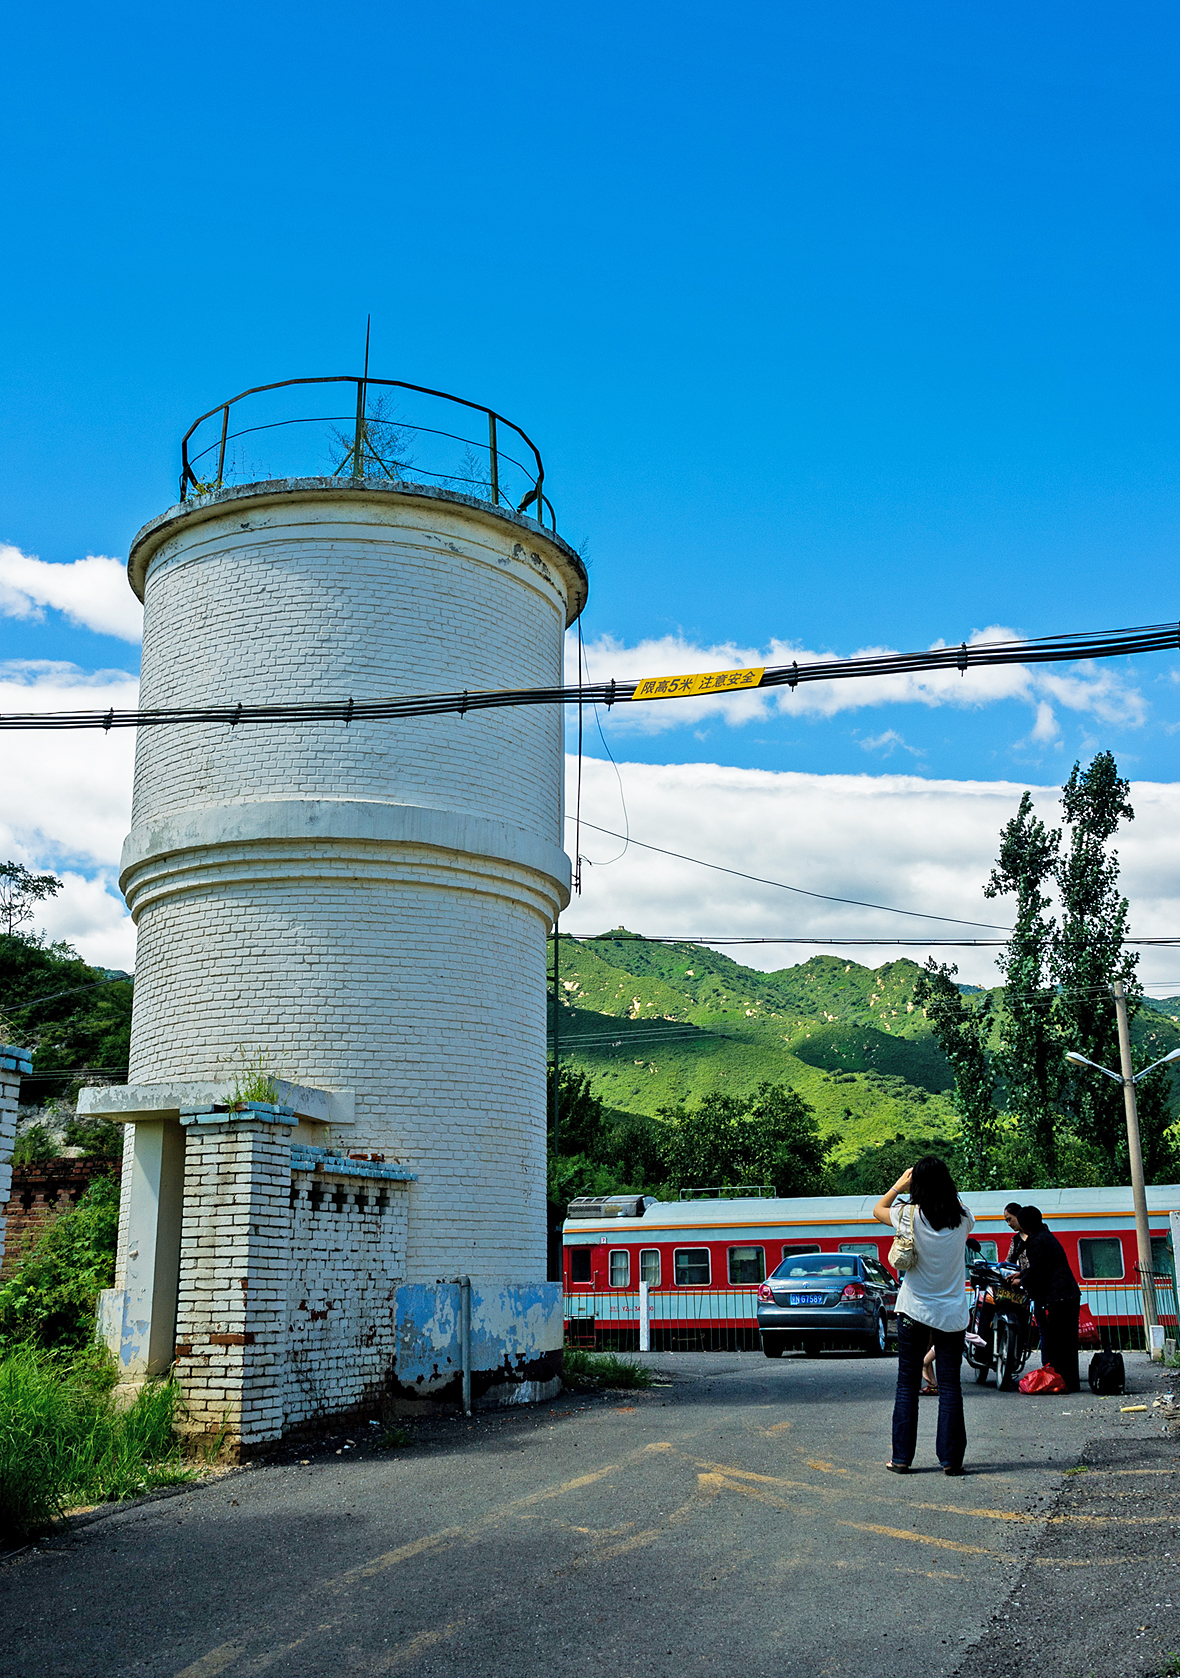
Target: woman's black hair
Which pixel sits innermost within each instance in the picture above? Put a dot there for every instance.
(1012, 1210)
(1030, 1220)
(933, 1191)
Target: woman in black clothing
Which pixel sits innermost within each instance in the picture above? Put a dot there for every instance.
(1053, 1288)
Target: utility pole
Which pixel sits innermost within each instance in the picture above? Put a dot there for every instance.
(556, 1032)
(1135, 1155)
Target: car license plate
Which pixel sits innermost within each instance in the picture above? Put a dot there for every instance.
(808, 1298)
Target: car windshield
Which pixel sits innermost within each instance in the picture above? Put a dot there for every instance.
(817, 1264)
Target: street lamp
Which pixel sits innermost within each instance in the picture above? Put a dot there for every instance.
(1128, 1079)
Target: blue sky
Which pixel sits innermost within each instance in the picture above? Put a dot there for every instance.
(838, 327)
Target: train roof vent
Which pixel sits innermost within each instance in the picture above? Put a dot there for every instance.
(736, 1191)
(608, 1206)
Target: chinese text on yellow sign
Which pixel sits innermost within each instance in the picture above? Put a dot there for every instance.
(713, 681)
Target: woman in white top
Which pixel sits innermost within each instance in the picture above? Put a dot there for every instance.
(931, 1302)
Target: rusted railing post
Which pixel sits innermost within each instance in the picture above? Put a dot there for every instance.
(221, 453)
(495, 480)
(358, 441)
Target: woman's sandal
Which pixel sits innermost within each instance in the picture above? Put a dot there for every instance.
(928, 1391)
(898, 1467)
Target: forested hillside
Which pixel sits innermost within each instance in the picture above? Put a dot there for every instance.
(658, 1027)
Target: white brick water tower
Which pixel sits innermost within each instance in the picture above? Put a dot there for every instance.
(362, 908)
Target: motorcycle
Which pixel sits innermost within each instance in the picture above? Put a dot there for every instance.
(1000, 1331)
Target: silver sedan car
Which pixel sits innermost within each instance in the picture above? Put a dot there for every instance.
(815, 1300)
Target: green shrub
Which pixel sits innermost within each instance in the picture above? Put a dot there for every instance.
(35, 1145)
(603, 1369)
(50, 1301)
(63, 1440)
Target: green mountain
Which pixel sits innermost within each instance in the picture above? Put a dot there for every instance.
(659, 1024)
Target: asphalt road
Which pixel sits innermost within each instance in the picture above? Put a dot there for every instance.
(736, 1521)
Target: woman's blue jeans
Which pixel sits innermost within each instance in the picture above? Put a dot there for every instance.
(913, 1342)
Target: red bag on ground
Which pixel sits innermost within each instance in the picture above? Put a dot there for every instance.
(1042, 1381)
(1088, 1334)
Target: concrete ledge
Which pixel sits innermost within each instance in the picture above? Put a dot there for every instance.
(278, 492)
(330, 820)
(127, 1103)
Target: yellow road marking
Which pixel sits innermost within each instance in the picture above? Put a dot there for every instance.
(711, 1484)
(982, 1514)
(416, 1646)
(1095, 1561)
(418, 1547)
(779, 1427)
(215, 1661)
(638, 1542)
(824, 1467)
(923, 1538)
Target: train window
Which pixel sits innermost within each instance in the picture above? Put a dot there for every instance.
(692, 1267)
(649, 1266)
(620, 1269)
(747, 1264)
(810, 1247)
(1161, 1257)
(580, 1264)
(987, 1250)
(1101, 1258)
(867, 1249)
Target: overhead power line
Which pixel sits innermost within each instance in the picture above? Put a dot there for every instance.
(1117, 643)
(823, 896)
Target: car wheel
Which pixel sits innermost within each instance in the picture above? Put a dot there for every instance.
(772, 1345)
(878, 1341)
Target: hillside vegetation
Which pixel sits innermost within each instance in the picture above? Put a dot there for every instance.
(661, 1026)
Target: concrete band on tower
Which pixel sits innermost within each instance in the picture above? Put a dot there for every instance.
(361, 911)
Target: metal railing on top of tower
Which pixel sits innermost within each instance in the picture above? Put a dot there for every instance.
(410, 438)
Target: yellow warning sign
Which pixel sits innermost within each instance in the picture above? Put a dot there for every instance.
(714, 681)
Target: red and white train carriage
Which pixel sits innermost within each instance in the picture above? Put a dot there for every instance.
(703, 1259)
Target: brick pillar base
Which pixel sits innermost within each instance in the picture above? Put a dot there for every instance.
(235, 1256)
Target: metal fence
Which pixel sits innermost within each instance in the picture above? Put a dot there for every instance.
(726, 1320)
(355, 427)
(681, 1320)
(1117, 1307)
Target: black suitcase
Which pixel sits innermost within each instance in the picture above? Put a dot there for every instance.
(1107, 1376)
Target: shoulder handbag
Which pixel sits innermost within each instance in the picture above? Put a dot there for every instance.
(903, 1255)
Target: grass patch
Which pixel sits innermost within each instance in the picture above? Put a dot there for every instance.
(603, 1369)
(64, 1441)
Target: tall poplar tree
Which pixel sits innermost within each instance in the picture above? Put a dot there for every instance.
(961, 1030)
(1029, 1059)
(1088, 953)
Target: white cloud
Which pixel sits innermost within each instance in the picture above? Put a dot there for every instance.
(888, 839)
(92, 592)
(67, 802)
(1096, 689)
(887, 743)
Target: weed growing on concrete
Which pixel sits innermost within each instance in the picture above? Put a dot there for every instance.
(64, 1441)
(254, 1080)
(394, 1437)
(603, 1369)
